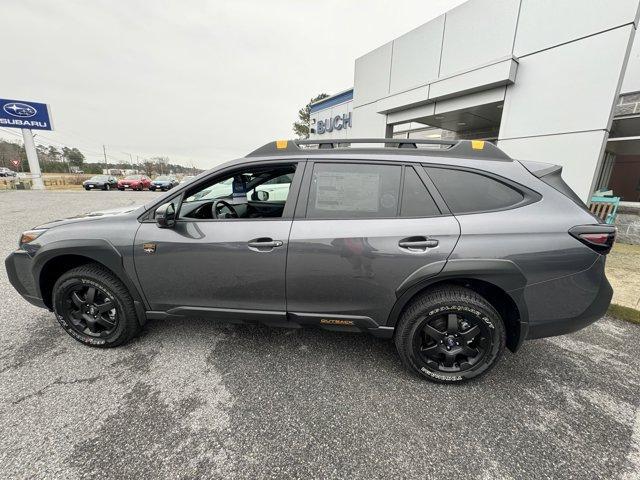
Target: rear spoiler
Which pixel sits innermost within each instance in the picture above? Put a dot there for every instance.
(541, 169)
(552, 175)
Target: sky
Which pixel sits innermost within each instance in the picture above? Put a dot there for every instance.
(200, 82)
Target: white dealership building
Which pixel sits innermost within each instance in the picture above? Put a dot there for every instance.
(553, 81)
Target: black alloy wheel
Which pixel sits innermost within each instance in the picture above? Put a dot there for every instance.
(450, 334)
(94, 307)
(91, 311)
(452, 342)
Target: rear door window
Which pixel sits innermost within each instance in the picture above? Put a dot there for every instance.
(470, 192)
(354, 190)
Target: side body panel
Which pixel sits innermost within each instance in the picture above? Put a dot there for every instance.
(355, 267)
(209, 264)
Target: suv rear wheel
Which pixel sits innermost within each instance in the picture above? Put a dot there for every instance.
(94, 307)
(450, 335)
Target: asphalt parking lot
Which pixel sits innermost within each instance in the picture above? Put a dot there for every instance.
(195, 399)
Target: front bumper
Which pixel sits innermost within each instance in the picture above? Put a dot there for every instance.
(568, 304)
(18, 265)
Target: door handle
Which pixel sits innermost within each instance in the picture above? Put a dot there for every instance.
(264, 244)
(418, 243)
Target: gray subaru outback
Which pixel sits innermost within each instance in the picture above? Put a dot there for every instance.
(450, 248)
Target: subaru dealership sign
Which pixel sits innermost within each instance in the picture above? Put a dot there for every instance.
(24, 114)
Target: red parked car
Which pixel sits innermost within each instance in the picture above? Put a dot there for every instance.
(134, 182)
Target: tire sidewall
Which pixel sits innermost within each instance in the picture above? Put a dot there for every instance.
(61, 290)
(465, 309)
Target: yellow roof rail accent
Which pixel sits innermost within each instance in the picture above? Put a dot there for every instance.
(477, 144)
(281, 144)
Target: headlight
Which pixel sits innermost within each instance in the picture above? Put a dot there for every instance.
(29, 236)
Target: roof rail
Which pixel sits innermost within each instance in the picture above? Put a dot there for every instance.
(454, 148)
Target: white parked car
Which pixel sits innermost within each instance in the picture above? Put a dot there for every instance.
(6, 172)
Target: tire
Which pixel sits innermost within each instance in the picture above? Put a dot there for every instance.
(107, 187)
(435, 335)
(121, 319)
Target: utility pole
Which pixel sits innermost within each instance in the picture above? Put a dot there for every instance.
(106, 165)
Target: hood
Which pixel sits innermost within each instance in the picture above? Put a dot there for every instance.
(129, 181)
(96, 215)
(161, 182)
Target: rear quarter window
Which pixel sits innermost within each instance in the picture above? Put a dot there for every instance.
(470, 192)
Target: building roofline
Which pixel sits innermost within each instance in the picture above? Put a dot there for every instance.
(338, 98)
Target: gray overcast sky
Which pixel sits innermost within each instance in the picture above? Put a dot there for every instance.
(201, 81)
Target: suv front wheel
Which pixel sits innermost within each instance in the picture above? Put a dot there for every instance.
(451, 334)
(94, 307)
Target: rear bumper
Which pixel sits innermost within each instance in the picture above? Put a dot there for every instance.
(568, 304)
(18, 265)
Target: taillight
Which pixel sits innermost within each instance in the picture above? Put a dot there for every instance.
(599, 238)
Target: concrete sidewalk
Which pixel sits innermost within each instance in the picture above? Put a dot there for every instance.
(623, 272)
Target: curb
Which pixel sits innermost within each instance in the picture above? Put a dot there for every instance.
(625, 313)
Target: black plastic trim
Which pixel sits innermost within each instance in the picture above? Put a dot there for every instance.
(502, 274)
(98, 250)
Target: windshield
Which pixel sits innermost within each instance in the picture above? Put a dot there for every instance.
(99, 178)
(132, 177)
(162, 179)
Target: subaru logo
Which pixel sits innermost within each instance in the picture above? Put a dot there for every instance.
(21, 110)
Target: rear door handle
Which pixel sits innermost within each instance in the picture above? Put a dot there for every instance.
(418, 243)
(264, 244)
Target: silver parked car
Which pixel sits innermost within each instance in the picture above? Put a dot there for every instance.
(450, 248)
(7, 172)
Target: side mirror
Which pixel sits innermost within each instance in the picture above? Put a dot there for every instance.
(166, 216)
(260, 195)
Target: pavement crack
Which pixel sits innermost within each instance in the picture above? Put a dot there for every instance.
(57, 382)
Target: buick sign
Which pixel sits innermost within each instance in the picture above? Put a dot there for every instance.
(24, 114)
(338, 123)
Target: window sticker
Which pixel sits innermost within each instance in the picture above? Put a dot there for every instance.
(350, 191)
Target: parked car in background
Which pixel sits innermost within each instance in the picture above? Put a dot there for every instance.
(6, 172)
(163, 182)
(187, 178)
(100, 182)
(134, 182)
